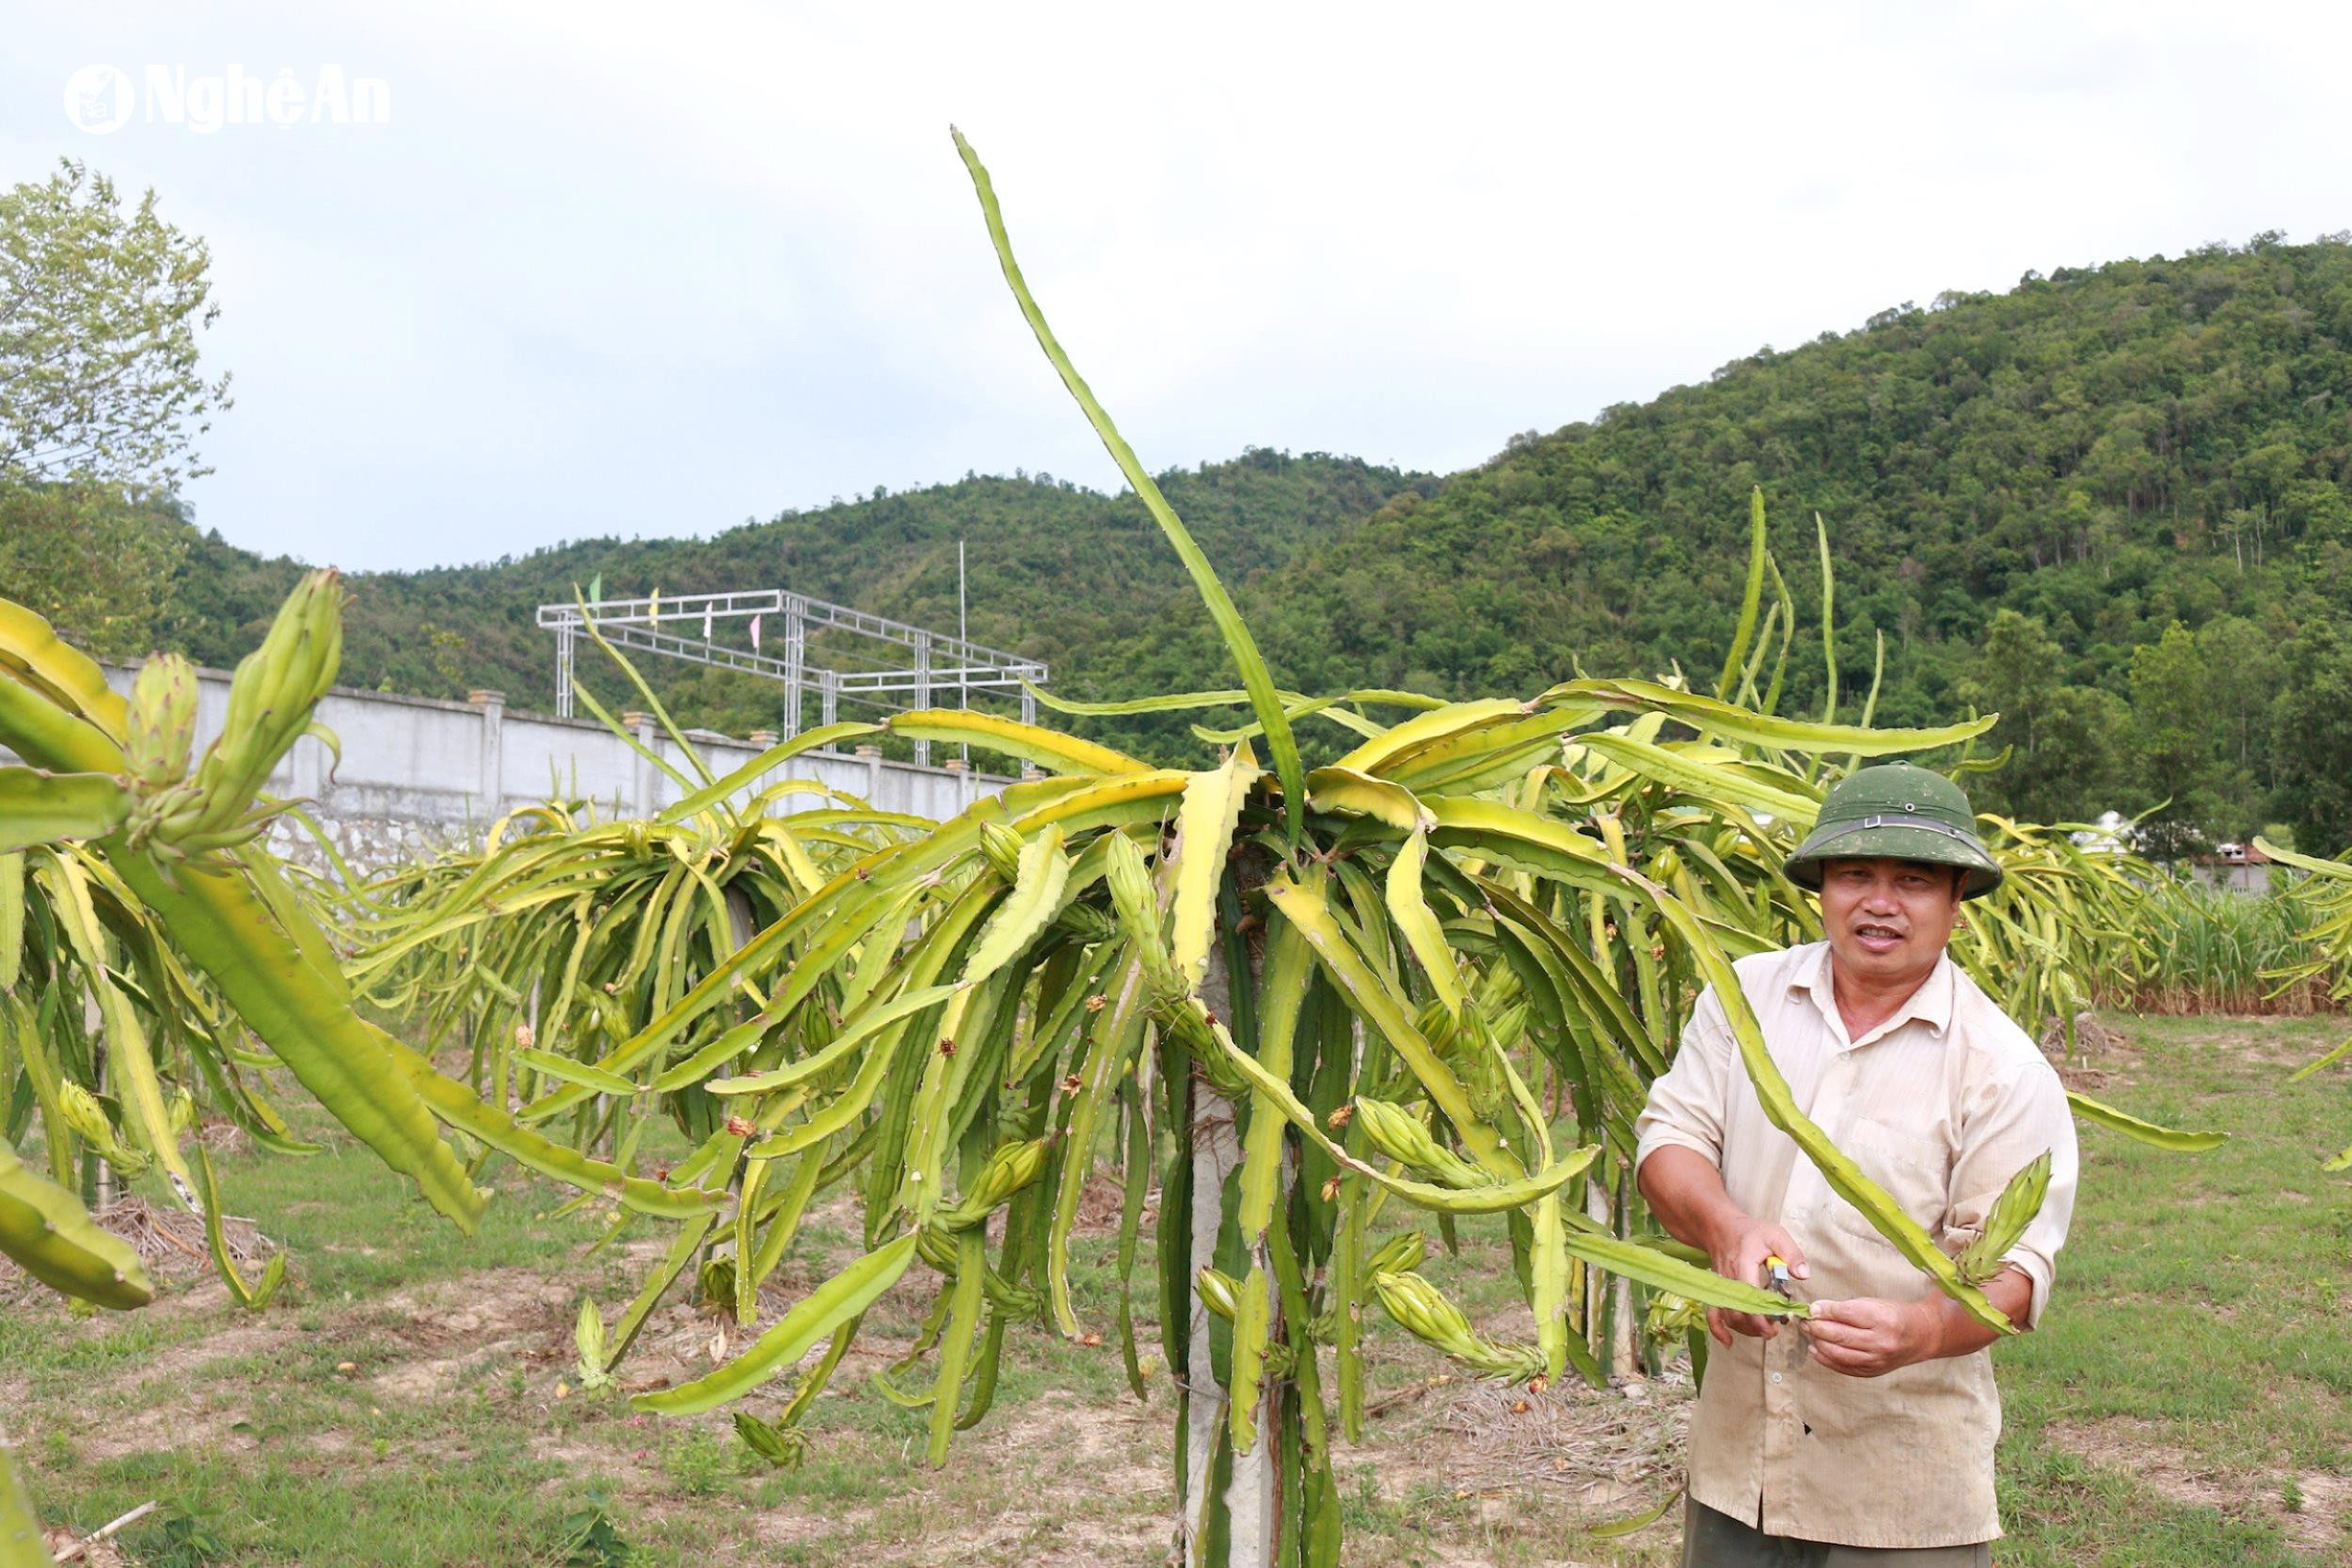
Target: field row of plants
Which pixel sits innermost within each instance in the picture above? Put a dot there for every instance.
(1288, 1007)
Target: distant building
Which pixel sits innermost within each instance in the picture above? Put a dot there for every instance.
(2111, 835)
(2234, 868)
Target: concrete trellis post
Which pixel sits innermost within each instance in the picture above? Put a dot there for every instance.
(1249, 1499)
(489, 785)
(644, 779)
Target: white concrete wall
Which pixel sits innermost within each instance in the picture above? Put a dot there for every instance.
(418, 773)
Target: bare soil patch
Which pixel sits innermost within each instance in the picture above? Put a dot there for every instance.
(462, 1328)
(2310, 1513)
(2103, 1057)
(171, 1368)
(1106, 1496)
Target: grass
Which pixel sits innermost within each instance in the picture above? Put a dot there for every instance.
(2207, 951)
(2186, 1402)
(2198, 1356)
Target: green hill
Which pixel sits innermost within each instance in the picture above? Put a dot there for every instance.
(2110, 503)
(2104, 455)
(1081, 580)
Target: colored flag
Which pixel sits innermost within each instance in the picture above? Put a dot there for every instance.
(755, 633)
(596, 590)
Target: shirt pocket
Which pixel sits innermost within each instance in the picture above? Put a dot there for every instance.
(1914, 1169)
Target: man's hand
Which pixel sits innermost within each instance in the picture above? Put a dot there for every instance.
(1869, 1337)
(1738, 1250)
(1686, 1191)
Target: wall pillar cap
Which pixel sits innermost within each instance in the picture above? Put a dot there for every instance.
(481, 696)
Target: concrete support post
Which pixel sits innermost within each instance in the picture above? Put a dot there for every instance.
(761, 740)
(872, 757)
(643, 776)
(489, 780)
(1250, 1498)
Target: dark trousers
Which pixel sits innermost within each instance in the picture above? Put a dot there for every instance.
(1712, 1540)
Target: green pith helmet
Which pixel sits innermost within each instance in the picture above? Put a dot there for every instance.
(1897, 811)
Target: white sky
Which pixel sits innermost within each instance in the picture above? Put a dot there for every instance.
(644, 269)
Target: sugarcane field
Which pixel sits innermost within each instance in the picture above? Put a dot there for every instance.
(1708, 956)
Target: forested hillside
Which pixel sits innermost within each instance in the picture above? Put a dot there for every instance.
(1081, 580)
(2110, 503)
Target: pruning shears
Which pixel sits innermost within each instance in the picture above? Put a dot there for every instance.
(1776, 1277)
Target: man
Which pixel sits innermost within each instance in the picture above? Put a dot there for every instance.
(1866, 1434)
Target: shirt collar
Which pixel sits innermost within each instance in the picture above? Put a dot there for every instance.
(1930, 1004)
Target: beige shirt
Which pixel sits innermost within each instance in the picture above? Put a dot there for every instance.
(1941, 1105)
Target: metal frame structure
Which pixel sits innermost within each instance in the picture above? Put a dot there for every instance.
(938, 660)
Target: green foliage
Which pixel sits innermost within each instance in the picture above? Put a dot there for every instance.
(590, 1540)
(2315, 743)
(2207, 951)
(182, 1540)
(97, 566)
(446, 649)
(697, 1464)
(99, 313)
(2065, 742)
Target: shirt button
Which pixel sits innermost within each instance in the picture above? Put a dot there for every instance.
(1775, 1377)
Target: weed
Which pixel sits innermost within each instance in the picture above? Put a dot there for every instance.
(177, 1539)
(696, 1462)
(590, 1540)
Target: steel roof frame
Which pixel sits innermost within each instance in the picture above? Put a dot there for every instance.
(646, 625)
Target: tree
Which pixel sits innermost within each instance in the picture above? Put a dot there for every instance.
(2171, 743)
(2063, 739)
(98, 569)
(448, 651)
(2311, 746)
(100, 402)
(2243, 679)
(99, 313)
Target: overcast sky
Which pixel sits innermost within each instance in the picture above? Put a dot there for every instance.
(657, 269)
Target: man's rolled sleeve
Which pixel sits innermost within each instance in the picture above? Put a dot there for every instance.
(1685, 1108)
(2009, 1124)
